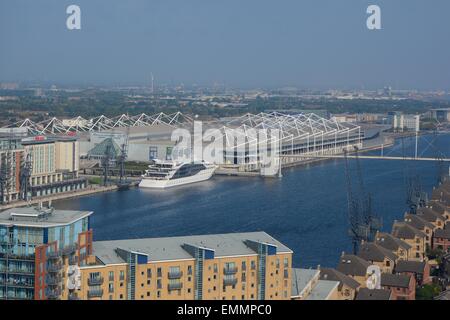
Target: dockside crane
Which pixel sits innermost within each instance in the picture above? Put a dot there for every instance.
(363, 224)
(123, 182)
(26, 168)
(105, 162)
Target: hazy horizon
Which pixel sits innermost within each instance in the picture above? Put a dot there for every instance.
(315, 44)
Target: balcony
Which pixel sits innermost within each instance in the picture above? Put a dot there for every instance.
(17, 283)
(53, 294)
(175, 286)
(68, 250)
(17, 257)
(73, 260)
(230, 270)
(175, 274)
(53, 281)
(19, 271)
(53, 255)
(95, 281)
(54, 268)
(95, 293)
(230, 282)
(73, 296)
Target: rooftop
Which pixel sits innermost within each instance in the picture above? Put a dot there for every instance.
(390, 242)
(323, 290)
(170, 248)
(374, 252)
(405, 231)
(45, 217)
(410, 266)
(333, 274)
(442, 233)
(395, 280)
(301, 278)
(350, 264)
(375, 294)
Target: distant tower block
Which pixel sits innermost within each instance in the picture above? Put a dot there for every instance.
(152, 84)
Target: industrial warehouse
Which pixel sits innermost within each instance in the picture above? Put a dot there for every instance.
(298, 138)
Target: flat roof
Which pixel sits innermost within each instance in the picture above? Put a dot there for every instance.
(170, 248)
(29, 217)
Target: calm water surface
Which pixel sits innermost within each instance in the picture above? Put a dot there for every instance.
(306, 209)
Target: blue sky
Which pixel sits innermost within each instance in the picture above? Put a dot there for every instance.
(241, 43)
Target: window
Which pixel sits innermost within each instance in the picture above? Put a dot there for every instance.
(149, 273)
(158, 284)
(252, 265)
(111, 276)
(153, 153)
(169, 153)
(189, 270)
(243, 267)
(159, 272)
(111, 288)
(122, 275)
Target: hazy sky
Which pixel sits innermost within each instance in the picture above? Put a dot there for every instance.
(251, 43)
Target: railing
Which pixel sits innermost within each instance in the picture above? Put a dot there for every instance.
(230, 282)
(230, 270)
(18, 257)
(73, 260)
(69, 249)
(17, 284)
(95, 293)
(18, 271)
(175, 274)
(54, 268)
(52, 281)
(95, 281)
(175, 286)
(53, 294)
(53, 255)
(73, 296)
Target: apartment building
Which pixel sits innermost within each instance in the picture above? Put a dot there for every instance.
(207, 267)
(377, 255)
(11, 156)
(54, 164)
(402, 286)
(38, 247)
(413, 237)
(399, 247)
(354, 267)
(347, 287)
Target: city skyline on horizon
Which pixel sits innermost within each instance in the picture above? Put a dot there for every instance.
(307, 45)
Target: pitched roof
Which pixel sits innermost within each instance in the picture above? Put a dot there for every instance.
(323, 290)
(395, 280)
(439, 207)
(442, 233)
(410, 266)
(301, 278)
(333, 274)
(390, 242)
(418, 221)
(429, 214)
(373, 252)
(375, 294)
(405, 231)
(350, 264)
